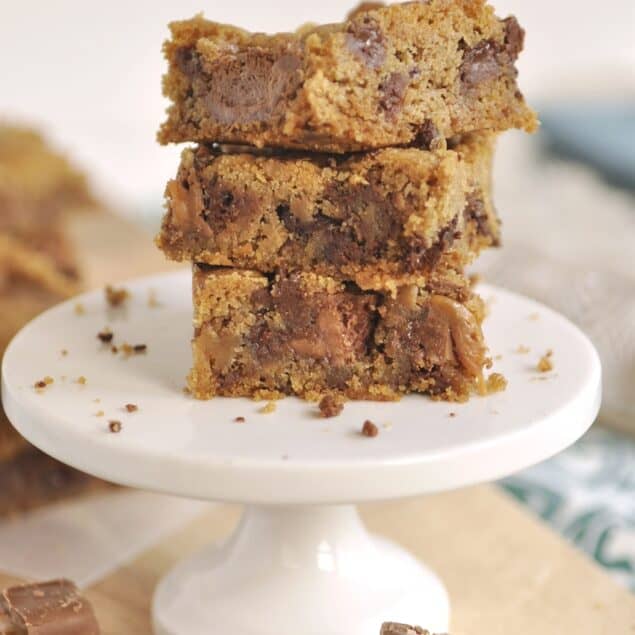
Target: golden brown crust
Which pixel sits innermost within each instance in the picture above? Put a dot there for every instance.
(386, 76)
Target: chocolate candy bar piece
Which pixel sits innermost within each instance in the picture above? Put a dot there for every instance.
(46, 608)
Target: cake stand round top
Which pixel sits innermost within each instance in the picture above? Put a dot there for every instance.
(228, 449)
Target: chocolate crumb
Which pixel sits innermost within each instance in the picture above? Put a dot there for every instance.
(452, 414)
(105, 336)
(545, 363)
(239, 419)
(369, 429)
(131, 407)
(140, 348)
(496, 383)
(116, 297)
(268, 408)
(40, 385)
(331, 405)
(114, 350)
(114, 426)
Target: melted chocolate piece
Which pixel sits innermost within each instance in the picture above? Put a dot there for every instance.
(47, 608)
(514, 37)
(427, 136)
(366, 41)
(252, 85)
(490, 59)
(393, 91)
(480, 63)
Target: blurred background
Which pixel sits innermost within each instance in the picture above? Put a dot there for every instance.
(88, 75)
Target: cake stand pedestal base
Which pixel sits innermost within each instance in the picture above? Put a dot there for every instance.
(310, 570)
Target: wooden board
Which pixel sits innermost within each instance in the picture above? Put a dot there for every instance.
(506, 572)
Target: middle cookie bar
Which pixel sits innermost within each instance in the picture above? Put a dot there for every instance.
(392, 211)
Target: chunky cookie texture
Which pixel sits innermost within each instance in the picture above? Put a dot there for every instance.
(392, 211)
(407, 73)
(308, 335)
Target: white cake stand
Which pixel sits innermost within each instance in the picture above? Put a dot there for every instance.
(301, 561)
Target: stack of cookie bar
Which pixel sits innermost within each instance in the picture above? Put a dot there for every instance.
(38, 189)
(340, 185)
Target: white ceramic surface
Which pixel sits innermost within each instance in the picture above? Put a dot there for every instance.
(290, 568)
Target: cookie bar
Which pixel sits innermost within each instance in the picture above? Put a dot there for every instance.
(306, 335)
(395, 210)
(37, 186)
(389, 75)
(30, 282)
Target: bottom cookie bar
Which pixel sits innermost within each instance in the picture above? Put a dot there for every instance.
(304, 334)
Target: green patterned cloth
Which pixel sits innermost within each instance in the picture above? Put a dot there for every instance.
(587, 493)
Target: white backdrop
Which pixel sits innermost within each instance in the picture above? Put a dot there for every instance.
(89, 71)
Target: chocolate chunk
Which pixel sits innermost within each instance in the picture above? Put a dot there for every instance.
(392, 92)
(366, 41)
(514, 37)
(475, 211)
(187, 61)
(252, 85)
(480, 64)
(47, 608)
(418, 256)
(427, 136)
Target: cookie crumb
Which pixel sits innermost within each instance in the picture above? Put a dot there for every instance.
(81, 380)
(140, 348)
(474, 279)
(131, 407)
(331, 405)
(452, 414)
(268, 408)
(114, 426)
(239, 420)
(116, 297)
(496, 383)
(64, 352)
(79, 309)
(100, 413)
(497, 358)
(545, 363)
(105, 336)
(369, 429)
(534, 316)
(387, 425)
(523, 350)
(114, 350)
(186, 390)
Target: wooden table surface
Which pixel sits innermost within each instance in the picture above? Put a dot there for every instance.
(506, 572)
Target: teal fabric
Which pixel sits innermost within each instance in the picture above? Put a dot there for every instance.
(587, 493)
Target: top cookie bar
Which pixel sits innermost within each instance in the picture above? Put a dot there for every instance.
(389, 75)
